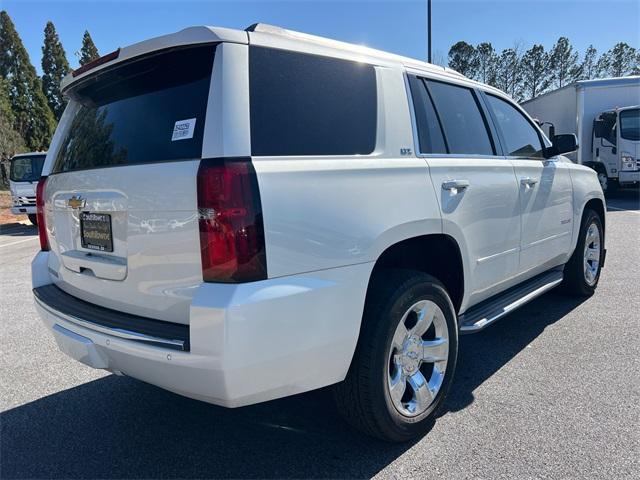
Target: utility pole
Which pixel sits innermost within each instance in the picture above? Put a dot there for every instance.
(429, 31)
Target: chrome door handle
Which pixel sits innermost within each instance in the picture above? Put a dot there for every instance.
(455, 185)
(528, 182)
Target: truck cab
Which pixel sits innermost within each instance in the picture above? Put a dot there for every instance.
(24, 174)
(616, 147)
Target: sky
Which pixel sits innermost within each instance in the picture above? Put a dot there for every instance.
(398, 26)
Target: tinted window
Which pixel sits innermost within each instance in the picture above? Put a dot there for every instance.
(464, 125)
(26, 169)
(310, 105)
(149, 110)
(630, 125)
(427, 123)
(521, 138)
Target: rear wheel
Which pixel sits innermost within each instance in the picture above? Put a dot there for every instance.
(405, 359)
(33, 218)
(582, 272)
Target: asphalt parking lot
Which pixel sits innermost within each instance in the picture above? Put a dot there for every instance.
(553, 391)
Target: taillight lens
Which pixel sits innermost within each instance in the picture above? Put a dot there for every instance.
(232, 245)
(42, 226)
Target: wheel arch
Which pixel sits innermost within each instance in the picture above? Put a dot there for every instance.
(438, 255)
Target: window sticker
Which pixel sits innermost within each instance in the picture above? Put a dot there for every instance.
(183, 129)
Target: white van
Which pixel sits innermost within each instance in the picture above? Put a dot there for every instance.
(238, 216)
(24, 172)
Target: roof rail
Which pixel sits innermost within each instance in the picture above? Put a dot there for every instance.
(265, 28)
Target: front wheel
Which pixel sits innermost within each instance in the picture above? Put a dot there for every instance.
(609, 185)
(582, 271)
(33, 218)
(405, 358)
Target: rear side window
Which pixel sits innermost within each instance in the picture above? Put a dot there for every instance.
(305, 104)
(430, 135)
(149, 110)
(520, 137)
(464, 125)
(26, 168)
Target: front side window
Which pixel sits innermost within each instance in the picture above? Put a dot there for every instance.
(430, 135)
(463, 123)
(144, 111)
(304, 104)
(26, 168)
(521, 138)
(630, 125)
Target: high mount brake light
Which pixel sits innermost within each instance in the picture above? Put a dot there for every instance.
(96, 63)
(232, 244)
(42, 226)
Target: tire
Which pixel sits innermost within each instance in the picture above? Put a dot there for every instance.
(33, 218)
(578, 280)
(364, 398)
(609, 185)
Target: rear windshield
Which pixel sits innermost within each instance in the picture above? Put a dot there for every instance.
(27, 168)
(150, 110)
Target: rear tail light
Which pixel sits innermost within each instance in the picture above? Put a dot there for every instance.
(232, 245)
(42, 226)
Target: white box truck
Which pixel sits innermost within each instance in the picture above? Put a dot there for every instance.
(605, 116)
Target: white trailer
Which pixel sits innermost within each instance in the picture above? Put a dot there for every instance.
(611, 148)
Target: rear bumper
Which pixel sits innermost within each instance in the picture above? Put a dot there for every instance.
(248, 343)
(23, 210)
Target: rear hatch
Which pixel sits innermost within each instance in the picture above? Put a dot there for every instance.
(121, 197)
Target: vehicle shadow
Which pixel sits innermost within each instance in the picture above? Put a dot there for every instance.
(116, 427)
(624, 199)
(17, 230)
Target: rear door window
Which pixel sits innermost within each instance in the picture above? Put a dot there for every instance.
(465, 127)
(520, 137)
(430, 137)
(304, 104)
(148, 110)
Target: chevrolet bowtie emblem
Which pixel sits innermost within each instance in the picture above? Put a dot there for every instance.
(76, 202)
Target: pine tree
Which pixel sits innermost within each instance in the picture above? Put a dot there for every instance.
(487, 62)
(88, 52)
(535, 71)
(508, 73)
(622, 60)
(10, 141)
(55, 66)
(564, 63)
(33, 118)
(463, 59)
(589, 65)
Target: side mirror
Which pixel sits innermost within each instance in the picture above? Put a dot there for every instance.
(563, 143)
(599, 128)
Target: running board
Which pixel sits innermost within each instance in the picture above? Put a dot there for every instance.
(489, 311)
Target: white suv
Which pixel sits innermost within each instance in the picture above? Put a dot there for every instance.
(237, 216)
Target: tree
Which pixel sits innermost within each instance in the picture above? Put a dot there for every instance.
(55, 66)
(534, 69)
(10, 141)
(589, 65)
(33, 119)
(564, 63)
(622, 60)
(89, 51)
(463, 59)
(508, 75)
(487, 62)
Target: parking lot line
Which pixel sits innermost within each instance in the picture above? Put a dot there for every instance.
(19, 241)
(623, 209)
